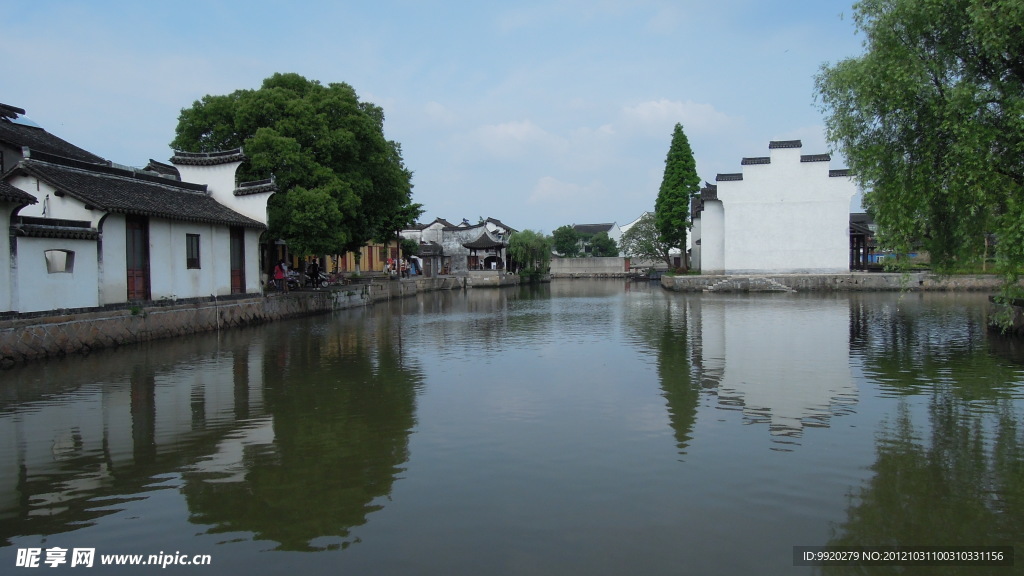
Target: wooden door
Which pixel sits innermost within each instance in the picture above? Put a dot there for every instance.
(237, 249)
(137, 257)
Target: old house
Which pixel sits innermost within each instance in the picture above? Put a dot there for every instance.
(588, 231)
(86, 233)
(452, 249)
(784, 213)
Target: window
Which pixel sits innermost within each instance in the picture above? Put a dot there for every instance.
(192, 251)
(59, 261)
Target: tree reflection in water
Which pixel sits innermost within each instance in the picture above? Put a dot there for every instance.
(327, 468)
(949, 468)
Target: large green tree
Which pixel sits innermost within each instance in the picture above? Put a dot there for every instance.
(601, 244)
(643, 240)
(679, 183)
(930, 119)
(566, 241)
(342, 180)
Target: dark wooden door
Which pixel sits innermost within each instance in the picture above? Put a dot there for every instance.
(237, 261)
(137, 257)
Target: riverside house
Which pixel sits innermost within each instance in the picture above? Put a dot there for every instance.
(784, 213)
(85, 232)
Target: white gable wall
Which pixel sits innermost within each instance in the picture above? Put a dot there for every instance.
(787, 216)
(221, 184)
(63, 206)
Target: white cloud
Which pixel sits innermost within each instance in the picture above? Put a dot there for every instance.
(515, 139)
(552, 191)
(662, 115)
(436, 114)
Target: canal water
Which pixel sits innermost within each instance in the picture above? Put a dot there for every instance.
(583, 427)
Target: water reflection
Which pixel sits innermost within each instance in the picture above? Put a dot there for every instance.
(83, 430)
(783, 360)
(292, 432)
(660, 325)
(949, 462)
(340, 408)
(578, 427)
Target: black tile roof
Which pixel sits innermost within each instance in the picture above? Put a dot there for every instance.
(9, 193)
(696, 206)
(758, 160)
(431, 249)
(592, 228)
(131, 192)
(729, 177)
(483, 242)
(785, 144)
(207, 158)
(816, 158)
(54, 228)
(709, 192)
(8, 111)
(256, 187)
(839, 173)
(163, 169)
(500, 224)
(20, 135)
(466, 226)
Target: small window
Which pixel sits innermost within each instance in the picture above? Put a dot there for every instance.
(192, 251)
(60, 261)
(383, 253)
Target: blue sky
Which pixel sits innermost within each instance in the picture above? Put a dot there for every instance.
(536, 113)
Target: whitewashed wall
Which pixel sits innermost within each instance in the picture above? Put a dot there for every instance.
(712, 227)
(8, 264)
(38, 289)
(113, 276)
(787, 217)
(695, 246)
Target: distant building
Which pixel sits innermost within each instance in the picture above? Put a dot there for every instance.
(784, 213)
(588, 231)
(674, 254)
(446, 248)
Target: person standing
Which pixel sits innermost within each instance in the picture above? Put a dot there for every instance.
(280, 276)
(313, 272)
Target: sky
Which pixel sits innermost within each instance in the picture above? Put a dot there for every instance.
(538, 114)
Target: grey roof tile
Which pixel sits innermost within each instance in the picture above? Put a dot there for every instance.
(132, 192)
(9, 193)
(21, 135)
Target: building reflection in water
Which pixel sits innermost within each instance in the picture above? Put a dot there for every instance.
(83, 436)
(88, 429)
(781, 359)
(303, 478)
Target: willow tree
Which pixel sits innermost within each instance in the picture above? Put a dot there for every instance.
(342, 180)
(679, 183)
(930, 119)
(532, 251)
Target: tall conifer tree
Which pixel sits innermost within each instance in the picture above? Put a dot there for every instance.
(678, 185)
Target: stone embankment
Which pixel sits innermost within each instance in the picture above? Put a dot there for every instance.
(857, 281)
(25, 337)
